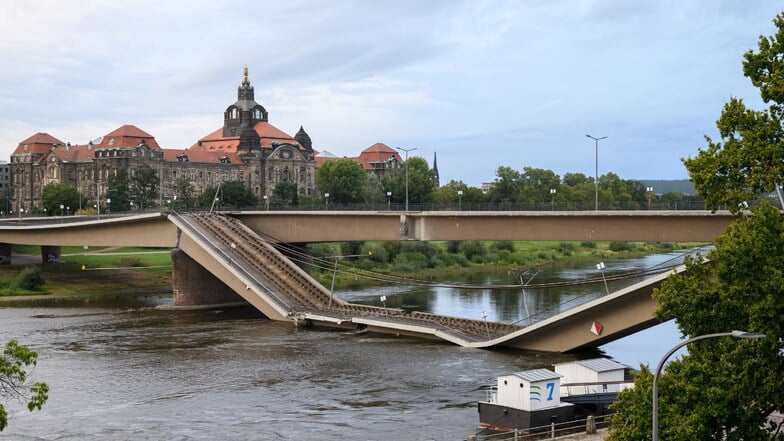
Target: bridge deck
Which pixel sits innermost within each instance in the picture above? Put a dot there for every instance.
(304, 299)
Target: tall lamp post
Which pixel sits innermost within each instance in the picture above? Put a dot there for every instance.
(326, 201)
(736, 334)
(460, 200)
(406, 150)
(389, 200)
(596, 170)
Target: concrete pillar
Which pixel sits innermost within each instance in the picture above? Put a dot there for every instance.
(193, 285)
(590, 425)
(50, 254)
(5, 253)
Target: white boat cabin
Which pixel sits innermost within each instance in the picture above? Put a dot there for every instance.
(594, 376)
(529, 390)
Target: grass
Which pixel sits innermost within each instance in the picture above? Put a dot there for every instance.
(110, 273)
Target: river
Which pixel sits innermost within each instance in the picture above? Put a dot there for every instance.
(127, 369)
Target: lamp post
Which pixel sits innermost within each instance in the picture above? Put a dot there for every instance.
(389, 200)
(649, 195)
(596, 170)
(736, 334)
(108, 207)
(266, 202)
(61, 210)
(406, 150)
(460, 200)
(552, 199)
(326, 201)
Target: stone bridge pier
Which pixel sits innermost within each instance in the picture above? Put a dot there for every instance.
(193, 285)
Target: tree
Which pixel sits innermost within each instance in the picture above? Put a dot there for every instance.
(344, 179)
(447, 194)
(507, 186)
(420, 182)
(186, 198)
(235, 194)
(749, 159)
(119, 190)
(144, 187)
(737, 383)
(285, 193)
(55, 195)
(14, 364)
(536, 184)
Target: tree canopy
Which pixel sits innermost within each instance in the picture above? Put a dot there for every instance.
(119, 190)
(144, 187)
(344, 179)
(724, 388)
(54, 195)
(14, 379)
(748, 161)
(420, 182)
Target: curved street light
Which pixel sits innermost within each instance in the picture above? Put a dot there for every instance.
(596, 170)
(736, 334)
(406, 150)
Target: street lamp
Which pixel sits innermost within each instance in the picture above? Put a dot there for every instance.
(552, 199)
(389, 200)
(460, 200)
(266, 202)
(649, 195)
(406, 150)
(326, 201)
(736, 334)
(108, 207)
(596, 175)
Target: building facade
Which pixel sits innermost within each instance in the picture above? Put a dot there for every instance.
(247, 148)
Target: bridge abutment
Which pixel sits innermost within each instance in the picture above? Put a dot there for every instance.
(193, 285)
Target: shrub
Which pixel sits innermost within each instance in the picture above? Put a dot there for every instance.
(588, 244)
(504, 245)
(30, 279)
(622, 246)
(472, 249)
(520, 258)
(453, 246)
(566, 248)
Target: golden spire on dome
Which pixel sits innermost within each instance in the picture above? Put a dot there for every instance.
(245, 81)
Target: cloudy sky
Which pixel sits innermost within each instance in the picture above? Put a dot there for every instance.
(482, 83)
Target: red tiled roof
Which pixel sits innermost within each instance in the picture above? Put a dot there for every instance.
(377, 152)
(74, 153)
(268, 134)
(127, 136)
(201, 156)
(39, 143)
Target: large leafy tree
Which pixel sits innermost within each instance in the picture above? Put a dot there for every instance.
(285, 193)
(537, 184)
(144, 187)
(724, 388)
(54, 195)
(119, 190)
(749, 158)
(507, 186)
(15, 363)
(447, 194)
(420, 182)
(344, 179)
(236, 195)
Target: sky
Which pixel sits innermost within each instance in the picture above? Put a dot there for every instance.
(481, 83)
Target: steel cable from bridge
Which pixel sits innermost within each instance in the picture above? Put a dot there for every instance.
(327, 265)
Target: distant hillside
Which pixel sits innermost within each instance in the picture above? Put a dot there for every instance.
(661, 186)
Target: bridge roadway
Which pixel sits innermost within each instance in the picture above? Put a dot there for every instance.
(232, 250)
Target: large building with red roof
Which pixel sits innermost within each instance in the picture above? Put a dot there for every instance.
(247, 148)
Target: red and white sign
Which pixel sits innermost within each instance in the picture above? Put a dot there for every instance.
(596, 328)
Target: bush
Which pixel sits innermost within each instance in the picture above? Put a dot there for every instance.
(472, 249)
(453, 246)
(622, 246)
(504, 245)
(588, 244)
(30, 279)
(566, 248)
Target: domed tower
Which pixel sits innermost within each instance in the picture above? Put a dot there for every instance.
(244, 113)
(303, 139)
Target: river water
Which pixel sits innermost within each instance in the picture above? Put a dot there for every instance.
(128, 369)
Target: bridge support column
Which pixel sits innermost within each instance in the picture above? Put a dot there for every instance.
(50, 253)
(5, 253)
(193, 285)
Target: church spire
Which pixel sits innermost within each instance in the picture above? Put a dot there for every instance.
(436, 180)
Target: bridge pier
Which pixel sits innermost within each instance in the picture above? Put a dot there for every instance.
(5, 253)
(50, 253)
(193, 285)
